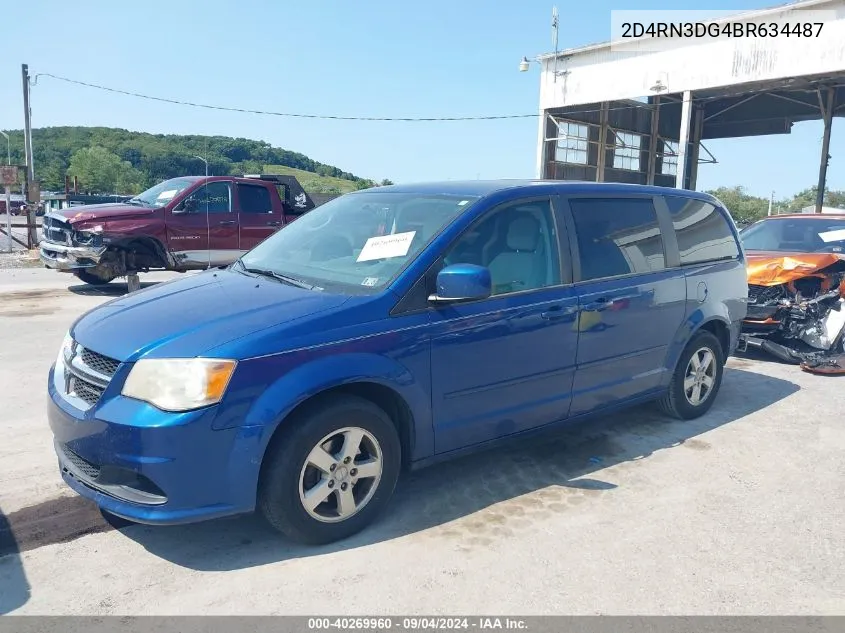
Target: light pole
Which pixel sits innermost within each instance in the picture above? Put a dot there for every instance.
(8, 148)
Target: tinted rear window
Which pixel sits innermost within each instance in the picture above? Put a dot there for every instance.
(617, 236)
(704, 234)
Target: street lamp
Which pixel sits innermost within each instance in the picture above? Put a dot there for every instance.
(8, 148)
(206, 164)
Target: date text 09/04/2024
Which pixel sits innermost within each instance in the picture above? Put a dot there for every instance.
(415, 623)
(725, 29)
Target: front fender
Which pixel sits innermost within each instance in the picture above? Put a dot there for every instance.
(263, 408)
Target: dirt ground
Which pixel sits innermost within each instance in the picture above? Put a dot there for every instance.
(739, 512)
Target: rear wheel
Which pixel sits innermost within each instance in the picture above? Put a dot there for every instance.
(94, 277)
(332, 472)
(697, 378)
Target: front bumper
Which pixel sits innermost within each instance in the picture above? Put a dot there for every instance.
(67, 258)
(149, 466)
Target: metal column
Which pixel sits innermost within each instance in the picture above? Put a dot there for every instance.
(827, 114)
(652, 141)
(541, 145)
(683, 141)
(697, 131)
(603, 129)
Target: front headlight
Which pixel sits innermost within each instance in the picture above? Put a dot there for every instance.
(65, 351)
(179, 384)
(90, 237)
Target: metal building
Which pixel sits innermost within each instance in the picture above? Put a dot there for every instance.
(641, 111)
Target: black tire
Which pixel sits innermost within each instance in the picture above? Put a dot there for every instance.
(676, 402)
(93, 277)
(285, 464)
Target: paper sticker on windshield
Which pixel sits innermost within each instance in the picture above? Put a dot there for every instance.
(462, 203)
(833, 236)
(370, 281)
(383, 246)
(167, 195)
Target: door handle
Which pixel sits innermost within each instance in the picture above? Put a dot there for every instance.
(273, 223)
(226, 223)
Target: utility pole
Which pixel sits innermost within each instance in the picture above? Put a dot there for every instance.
(32, 232)
(771, 202)
(27, 123)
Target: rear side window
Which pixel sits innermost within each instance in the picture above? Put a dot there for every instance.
(704, 234)
(617, 236)
(254, 199)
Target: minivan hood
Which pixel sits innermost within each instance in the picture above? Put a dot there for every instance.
(102, 211)
(188, 317)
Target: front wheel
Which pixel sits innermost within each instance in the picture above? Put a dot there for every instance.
(697, 378)
(94, 277)
(331, 472)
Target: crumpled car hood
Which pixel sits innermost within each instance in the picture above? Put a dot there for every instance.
(774, 269)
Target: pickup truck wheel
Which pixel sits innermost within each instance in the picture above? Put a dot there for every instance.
(92, 277)
(697, 378)
(332, 473)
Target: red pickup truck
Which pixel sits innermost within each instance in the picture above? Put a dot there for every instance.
(181, 224)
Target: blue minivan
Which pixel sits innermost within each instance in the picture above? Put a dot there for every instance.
(387, 330)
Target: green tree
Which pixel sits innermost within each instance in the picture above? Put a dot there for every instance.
(386, 182)
(102, 171)
(742, 206)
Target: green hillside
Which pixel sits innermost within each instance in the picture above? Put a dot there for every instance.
(114, 160)
(314, 183)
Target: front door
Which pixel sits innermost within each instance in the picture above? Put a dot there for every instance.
(258, 217)
(505, 364)
(630, 303)
(204, 228)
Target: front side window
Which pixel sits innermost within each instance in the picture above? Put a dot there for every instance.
(572, 143)
(359, 242)
(516, 243)
(704, 234)
(795, 235)
(626, 154)
(617, 236)
(214, 197)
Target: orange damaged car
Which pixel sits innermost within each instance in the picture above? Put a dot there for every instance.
(796, 288)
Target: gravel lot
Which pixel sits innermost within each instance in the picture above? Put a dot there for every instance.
(740, 512)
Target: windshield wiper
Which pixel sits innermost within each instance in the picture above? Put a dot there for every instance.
(291, 281)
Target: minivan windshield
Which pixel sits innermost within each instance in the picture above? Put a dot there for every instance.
(358, 242)
(163, 192)
(796, 235)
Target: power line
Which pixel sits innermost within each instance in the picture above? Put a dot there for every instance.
(565, 111)
(283, 114)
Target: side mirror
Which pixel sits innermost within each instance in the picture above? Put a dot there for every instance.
(462, 282)
(188, 205)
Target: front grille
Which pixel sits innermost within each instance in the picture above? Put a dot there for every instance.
(86, 391)
(88, 374)
(764, 294)
(55, 230)
(85, 467)
(99, 363)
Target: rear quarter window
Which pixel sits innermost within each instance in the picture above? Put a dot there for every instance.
(703, 232)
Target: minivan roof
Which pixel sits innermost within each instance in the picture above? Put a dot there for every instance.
(486, 187)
